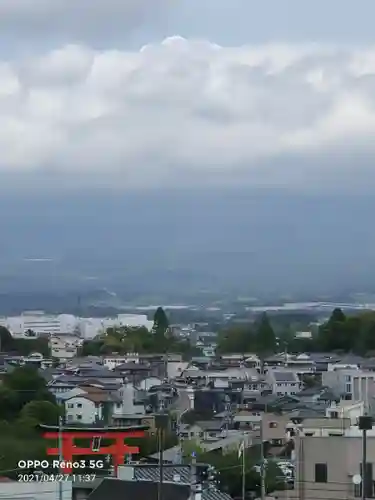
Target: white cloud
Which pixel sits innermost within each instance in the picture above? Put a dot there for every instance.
(185, 108)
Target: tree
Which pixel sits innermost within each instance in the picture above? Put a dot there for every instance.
(8, 403)
(236, 339)
(43, 412)
(160, 320)
(26, 383)
(191, 447)
(161, 330)
(332, 335)
(230, 470)
(6, 340)
(265, 336)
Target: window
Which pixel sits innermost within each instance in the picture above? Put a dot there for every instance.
(79, 405)
(348, 378)
(321, 473)
(334, 414)
(272, 425)
(79, 417)
(70, 405)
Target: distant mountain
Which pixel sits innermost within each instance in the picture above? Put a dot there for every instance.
(183, 242)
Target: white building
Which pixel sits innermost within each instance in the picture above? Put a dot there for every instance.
(355, 384)
(91, 327)
(64, 346)
(41, 323)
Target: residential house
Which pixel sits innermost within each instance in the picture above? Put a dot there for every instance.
(283, 381)
(300, 363)
(249, 360)
(211, 430)
(93, 406)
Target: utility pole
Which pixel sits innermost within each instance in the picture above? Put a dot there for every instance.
(161, 421)
(364, 424)
(60, 455)
(286, 353)
(161, 465)
(243, 471)
(193, 476)
(262, 465)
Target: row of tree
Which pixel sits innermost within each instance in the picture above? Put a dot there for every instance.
(23, 347)
(345, 333)
(139, 339)
(257, 337)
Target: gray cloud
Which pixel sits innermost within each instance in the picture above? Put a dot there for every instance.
(188, 111)
(79, 19)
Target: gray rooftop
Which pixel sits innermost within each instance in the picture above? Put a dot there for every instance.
(284, 376)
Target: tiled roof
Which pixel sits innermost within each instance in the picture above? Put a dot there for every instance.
(151, 473)
(96, 395)
(208, 425)
(284, 376)
(115, 489)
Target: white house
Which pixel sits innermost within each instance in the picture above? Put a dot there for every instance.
(91, 406)
(64, 346)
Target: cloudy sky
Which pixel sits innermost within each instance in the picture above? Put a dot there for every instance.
(274, 96)
(142, 92)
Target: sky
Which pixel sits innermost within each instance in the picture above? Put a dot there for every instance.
(148, 93)
(217, 107)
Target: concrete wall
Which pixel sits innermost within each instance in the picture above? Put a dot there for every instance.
(34, 490)
(342, 456)
(87, 411)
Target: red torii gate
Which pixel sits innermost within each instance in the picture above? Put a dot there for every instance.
(68, 450)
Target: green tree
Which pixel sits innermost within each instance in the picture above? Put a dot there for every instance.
(161, 330)
(191, 447)
(43, 412)
(6, 340)
(26, 383)
(8, 403)
(265, 336)
(229, 467)
(236, 339)
(332, 335)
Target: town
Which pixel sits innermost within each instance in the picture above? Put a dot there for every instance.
(217, 425)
